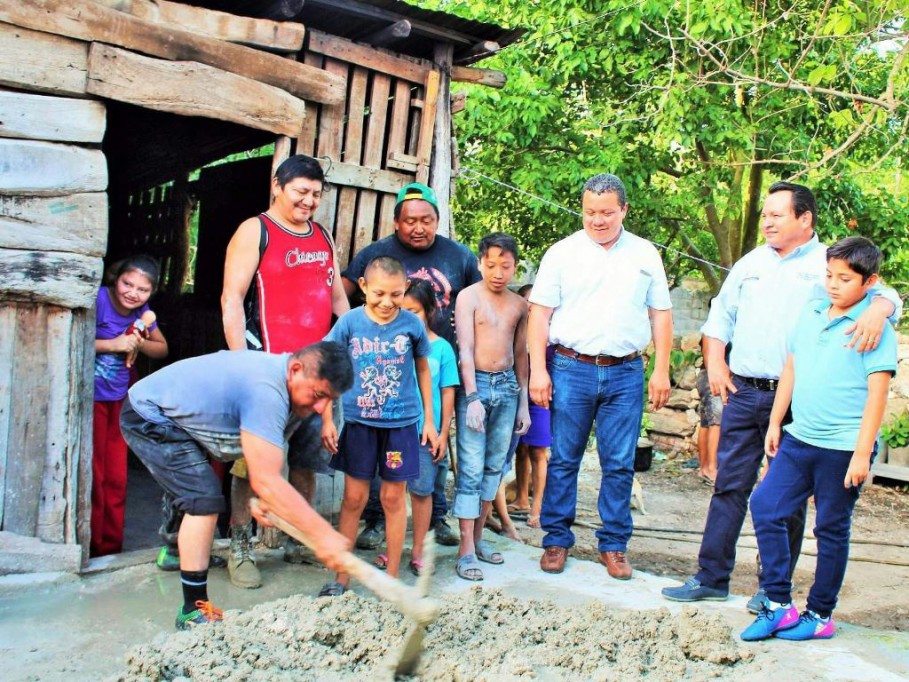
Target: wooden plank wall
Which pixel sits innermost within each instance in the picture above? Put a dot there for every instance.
(372, 139)
(53, 233)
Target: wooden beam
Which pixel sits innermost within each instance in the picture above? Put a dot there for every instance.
(65, 279)
(483, 49)
(362, 9)
(402, 161)
(389, 34)
(23, 554)
(192, 89)
(28, 427)
(90, 21)
(465, 74)
(458, 101)
(59, 410)
(58, 119)
(427, 125)
(31, 60)
(276, 36)
(48, 169)
(75, 223)
(363, 55)
(440, 164)
(7, 362)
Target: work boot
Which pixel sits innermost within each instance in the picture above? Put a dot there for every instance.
(372, 535)
(296, 553)
(445, 535)
(242, 563)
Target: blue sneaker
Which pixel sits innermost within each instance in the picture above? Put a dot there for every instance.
(770, 622)
(692, 590)
(810, 626)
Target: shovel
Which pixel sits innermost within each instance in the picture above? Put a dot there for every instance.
(412, 602)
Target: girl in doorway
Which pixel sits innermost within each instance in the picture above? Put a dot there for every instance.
(421, 301)
(124, 328)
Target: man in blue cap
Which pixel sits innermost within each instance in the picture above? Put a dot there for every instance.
(449, 267)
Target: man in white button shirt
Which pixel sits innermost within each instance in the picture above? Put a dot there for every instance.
(756, 310)
(598, 297)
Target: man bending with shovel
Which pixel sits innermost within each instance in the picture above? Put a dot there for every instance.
(229, 405)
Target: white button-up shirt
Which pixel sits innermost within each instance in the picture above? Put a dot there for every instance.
(760, 303)
(600, 297)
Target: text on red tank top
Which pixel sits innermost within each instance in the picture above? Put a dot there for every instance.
(294, 278)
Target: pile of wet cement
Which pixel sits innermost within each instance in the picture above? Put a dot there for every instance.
(480, 635)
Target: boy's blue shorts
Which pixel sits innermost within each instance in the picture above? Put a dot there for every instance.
(363, 450)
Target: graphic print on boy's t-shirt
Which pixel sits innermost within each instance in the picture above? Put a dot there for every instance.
(379, 363)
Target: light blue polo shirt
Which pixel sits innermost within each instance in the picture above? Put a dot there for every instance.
(831, 380)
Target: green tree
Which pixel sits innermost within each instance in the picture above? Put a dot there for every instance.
(698, 107)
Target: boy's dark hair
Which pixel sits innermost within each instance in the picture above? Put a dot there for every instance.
(505, 242)
(859, 253)
(387, 264)
(147, 265)
(329, 361)
(299, 166)
(802, 198)
(421, 291)
(524, 289)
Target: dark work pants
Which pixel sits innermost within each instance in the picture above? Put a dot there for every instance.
(746, 417)
(799, 471)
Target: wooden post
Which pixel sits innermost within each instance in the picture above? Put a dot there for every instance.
(427, 125)
(440, 168)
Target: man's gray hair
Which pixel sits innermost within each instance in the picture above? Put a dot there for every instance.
(606, 182)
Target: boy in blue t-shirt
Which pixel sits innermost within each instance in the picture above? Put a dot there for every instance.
(838, 398)
(382, 408)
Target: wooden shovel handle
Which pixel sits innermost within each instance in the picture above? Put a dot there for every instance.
(408, 600)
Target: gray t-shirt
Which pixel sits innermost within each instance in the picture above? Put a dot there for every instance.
(384, 392)
(213, 397)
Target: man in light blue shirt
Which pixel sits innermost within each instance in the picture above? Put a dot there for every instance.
(756, 310)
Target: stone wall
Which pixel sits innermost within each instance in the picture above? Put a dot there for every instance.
(690, 303)
(674, 430)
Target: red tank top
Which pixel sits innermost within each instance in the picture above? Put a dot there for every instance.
(293, 287)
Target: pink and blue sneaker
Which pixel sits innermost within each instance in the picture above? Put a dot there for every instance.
(810, 626)
(770, 622)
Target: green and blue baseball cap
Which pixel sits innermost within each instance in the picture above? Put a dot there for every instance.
(417, 190)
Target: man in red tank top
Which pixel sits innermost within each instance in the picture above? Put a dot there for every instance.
(281, 286)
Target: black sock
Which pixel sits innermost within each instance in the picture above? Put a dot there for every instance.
(195, 588)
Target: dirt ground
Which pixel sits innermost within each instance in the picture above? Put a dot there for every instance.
(676, 499)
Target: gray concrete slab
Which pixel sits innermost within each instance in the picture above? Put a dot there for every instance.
(56, 627)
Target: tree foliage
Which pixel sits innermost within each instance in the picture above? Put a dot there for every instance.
(698, 107)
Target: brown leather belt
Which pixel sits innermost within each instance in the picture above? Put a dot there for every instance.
(598, 360)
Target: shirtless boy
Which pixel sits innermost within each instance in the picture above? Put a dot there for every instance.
(491, 325)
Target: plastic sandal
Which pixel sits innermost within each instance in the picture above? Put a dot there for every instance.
(381, 561)
(468, 568)
(332, 590)
(417, 566)
(486, 553)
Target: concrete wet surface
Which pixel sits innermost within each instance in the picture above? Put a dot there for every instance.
(62, 627)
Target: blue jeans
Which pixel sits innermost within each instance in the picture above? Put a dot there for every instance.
(482, 454)
(612, 397)
(743, 428)
(425, 483)
(800, 470)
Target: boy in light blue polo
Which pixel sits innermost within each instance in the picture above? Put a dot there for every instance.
(838, 398)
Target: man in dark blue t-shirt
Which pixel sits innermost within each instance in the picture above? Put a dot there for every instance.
(449, 267)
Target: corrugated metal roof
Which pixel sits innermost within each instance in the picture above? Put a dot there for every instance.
(357, 19)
